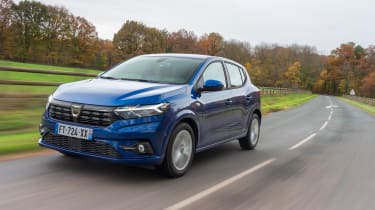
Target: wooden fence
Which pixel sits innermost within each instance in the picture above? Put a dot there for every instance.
(275, 91)
(370, 101)
(14, 69)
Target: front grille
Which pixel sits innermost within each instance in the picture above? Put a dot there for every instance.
(80, 145)
(89, 115)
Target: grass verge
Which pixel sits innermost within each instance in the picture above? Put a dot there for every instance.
(19, 142)
(38, 77)
(366, 107)
(46, 67)
(278, 103)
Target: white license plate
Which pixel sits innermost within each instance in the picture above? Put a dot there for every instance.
(73, 131)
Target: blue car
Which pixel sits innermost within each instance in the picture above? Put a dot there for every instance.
(157, 109)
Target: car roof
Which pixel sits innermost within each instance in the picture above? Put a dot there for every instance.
(187, 55)
(182, 55)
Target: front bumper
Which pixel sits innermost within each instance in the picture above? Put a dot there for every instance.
(145, 160)
(109, 142)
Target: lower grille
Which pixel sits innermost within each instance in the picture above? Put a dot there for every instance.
(80, 145)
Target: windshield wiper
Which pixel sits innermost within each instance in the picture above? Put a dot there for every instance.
(140, 80)
(105, 77)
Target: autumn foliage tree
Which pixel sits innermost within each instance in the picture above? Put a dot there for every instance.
(28, 19)
(34, 32)
(182, 41)
(31, 31)
(368, 85)
(135, 38)
(346, 68)
(293, 75)
(210, 44)
(5, 29)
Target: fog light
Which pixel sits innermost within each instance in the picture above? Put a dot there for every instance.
(141, 148)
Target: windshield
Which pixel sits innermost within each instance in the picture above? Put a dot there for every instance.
(159, 69)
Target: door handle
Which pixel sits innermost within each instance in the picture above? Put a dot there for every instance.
(249, 98)
(229, 102)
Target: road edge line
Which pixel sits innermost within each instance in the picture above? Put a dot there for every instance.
(302, 142)
(218, 186)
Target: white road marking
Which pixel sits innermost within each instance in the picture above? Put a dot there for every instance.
(324, 125)
(331, 106)
(330, 101)
(302, 142)
(218, 186)
(330, 116)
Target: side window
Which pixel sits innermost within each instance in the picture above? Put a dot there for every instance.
(215, 71)
(236, 79)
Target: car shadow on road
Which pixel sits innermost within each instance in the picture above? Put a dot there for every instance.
(207, 160)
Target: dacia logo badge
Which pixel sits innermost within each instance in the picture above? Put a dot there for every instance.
(76, 110)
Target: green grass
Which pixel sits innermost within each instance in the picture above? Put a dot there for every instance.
(20, 118)
(277, 103)
(366, 107)
(21, 89)
(21, 142)
(23, 76)
(19, 121)
(36, 77)
(46, 67)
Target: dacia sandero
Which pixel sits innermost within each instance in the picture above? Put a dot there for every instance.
(157, 109)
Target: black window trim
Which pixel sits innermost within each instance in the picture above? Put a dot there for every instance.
(225, 74)
(240, 69)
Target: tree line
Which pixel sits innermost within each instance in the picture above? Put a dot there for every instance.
(31, 31)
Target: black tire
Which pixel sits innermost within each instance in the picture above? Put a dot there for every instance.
(168, 168)
(250, 141)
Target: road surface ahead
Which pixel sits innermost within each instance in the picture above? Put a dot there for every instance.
(320, 155)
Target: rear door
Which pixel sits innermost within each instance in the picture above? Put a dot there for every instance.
(240, 99)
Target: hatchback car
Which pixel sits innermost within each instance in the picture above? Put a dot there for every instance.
(157, 109)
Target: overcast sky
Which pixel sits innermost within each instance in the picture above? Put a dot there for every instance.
(320, 23)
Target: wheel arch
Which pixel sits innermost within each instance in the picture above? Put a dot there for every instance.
(259, 113)
(186, 117)
(193, 124)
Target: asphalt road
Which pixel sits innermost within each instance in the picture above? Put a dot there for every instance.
(320, 155)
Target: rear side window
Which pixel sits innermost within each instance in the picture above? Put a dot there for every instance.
(215, 71)
(235, 75)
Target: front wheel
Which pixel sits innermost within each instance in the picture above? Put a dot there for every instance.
(180, 152)
(250, 141)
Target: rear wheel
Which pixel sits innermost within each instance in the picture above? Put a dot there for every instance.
(180, 152)
(250, 141)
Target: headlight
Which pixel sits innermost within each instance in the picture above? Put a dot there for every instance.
(50, 98)
(131, 112)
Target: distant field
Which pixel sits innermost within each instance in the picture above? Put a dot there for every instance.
(20, 118)
(45, 67)
(21, 76)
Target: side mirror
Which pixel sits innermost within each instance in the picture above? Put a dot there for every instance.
(212, 85)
